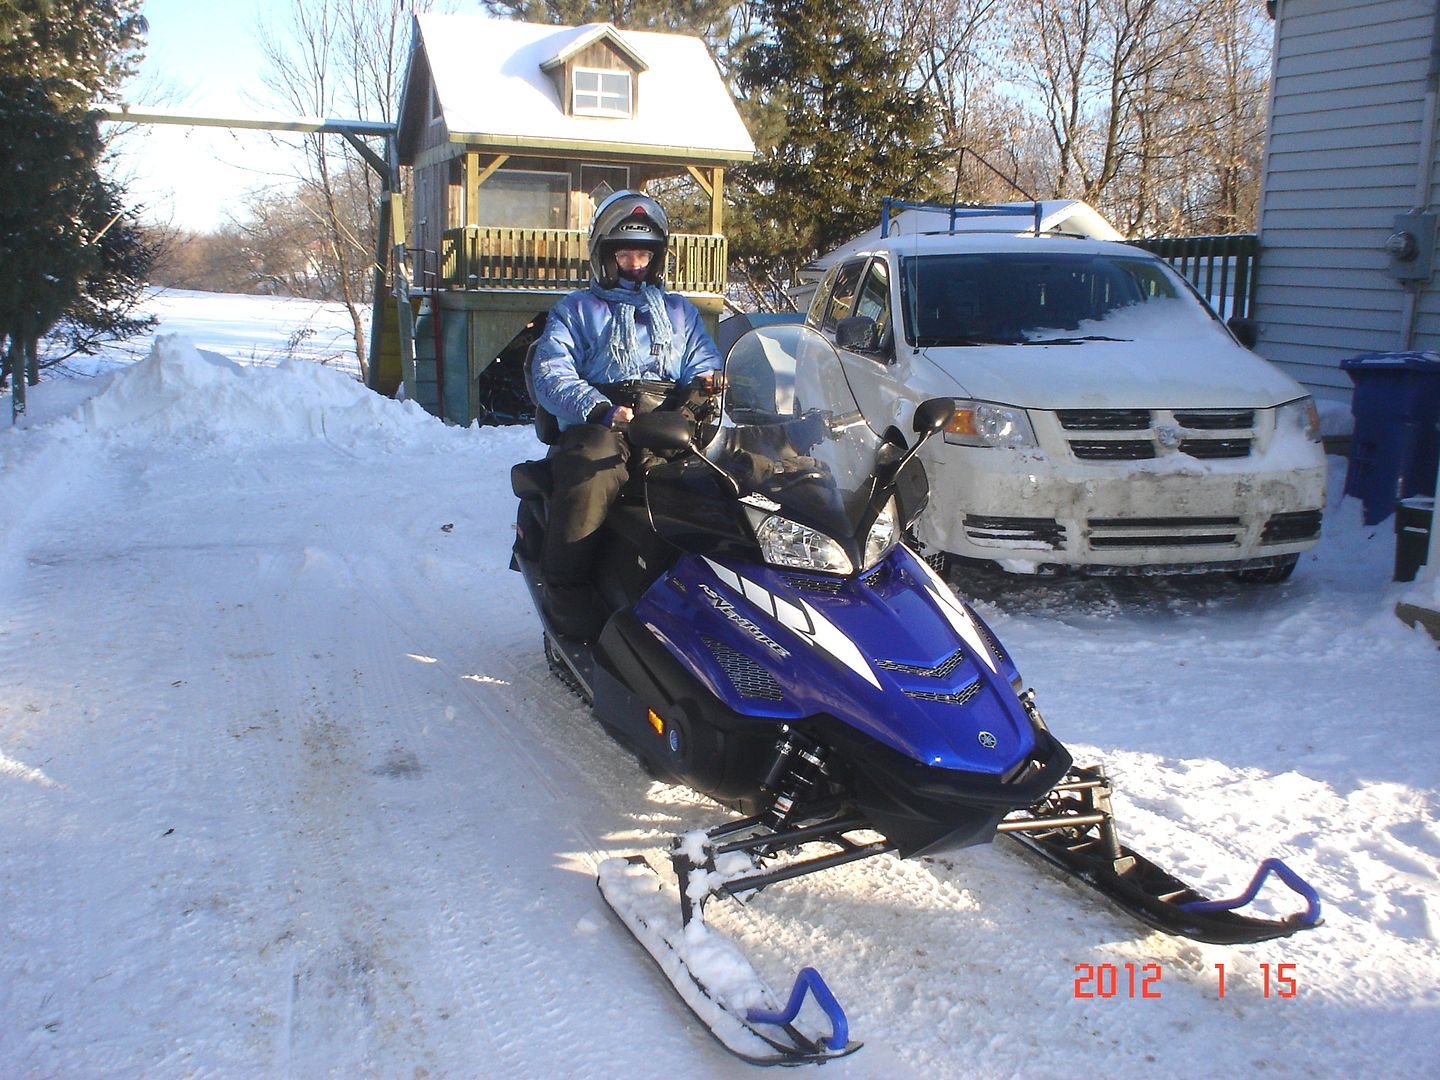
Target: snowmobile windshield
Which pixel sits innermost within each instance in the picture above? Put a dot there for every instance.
(791, 432)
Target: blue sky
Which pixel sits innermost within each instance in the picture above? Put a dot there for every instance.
(207, 53)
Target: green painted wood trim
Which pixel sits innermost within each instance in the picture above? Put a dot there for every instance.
(629, 151)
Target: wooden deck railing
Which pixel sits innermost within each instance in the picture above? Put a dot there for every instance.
(499, 257)
(1222, 268)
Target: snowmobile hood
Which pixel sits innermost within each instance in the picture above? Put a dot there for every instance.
(892, 653)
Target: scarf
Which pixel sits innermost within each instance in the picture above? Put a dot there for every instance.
(623, 344)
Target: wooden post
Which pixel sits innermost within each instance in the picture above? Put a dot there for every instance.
(472, 187)
(405, 311)
(717, 200)
(474, 177)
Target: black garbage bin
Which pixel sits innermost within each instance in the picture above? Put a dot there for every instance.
(1396, 405)
(1414, 518)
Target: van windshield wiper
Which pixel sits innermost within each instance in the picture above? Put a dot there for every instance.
(966, 340)
(1072, 340)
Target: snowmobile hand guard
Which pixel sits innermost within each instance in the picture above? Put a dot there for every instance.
(1309, 918)
(809, 980)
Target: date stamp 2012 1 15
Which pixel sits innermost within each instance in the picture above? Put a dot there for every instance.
(1143, 981)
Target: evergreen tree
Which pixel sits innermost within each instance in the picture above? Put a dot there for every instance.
(686, 16)
(838, 127)
(56, 58)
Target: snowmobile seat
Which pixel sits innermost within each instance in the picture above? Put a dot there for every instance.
(531, 479)
(547, 428)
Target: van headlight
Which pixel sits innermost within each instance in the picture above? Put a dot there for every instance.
(788, 543)
(1299, 416)
(984, 423)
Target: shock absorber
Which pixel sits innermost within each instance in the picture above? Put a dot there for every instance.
(794, 775)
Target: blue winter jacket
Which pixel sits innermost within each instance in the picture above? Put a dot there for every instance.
(571, 356)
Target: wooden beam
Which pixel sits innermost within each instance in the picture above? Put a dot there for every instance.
(500, 159)
(125, 113)
(374, 160)
(701, 180)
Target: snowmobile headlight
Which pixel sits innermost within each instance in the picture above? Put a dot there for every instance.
(1301, 416)
(788, 543)
(984, 423)
(882, 536)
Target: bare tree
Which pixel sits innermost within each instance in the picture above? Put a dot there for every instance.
(341, 58)
(1227, 110)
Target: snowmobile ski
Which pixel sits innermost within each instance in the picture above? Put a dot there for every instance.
(715, 980)
(1073, 829)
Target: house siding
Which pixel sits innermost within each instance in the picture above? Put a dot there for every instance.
(1347, 101)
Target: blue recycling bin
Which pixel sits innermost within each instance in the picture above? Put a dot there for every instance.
(1396, 444)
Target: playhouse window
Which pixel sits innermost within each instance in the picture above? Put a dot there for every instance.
(601, 92)
(524, 199)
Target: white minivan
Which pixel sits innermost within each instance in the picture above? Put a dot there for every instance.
(1107, 420)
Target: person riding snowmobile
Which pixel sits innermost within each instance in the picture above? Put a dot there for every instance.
(608, 351)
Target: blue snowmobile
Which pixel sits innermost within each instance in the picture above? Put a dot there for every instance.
(773, 643)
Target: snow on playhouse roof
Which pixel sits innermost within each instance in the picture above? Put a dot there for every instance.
(491, 82)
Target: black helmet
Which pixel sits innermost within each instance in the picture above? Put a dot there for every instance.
(628, 219)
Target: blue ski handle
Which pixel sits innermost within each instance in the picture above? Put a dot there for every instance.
(809, 980)
(1311, 915)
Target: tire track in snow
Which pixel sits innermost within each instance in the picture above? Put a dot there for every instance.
(555, 1015)
(546, 789)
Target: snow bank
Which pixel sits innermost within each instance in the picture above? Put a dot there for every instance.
(179, 392)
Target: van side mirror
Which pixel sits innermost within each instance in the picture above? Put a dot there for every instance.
(931, 416)
(856, 333)
(1245, 330)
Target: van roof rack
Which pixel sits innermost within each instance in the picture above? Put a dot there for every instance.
(957, 211)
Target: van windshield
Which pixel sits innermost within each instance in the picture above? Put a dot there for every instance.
(1024, 298)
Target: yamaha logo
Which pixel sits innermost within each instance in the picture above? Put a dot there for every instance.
(987, 740)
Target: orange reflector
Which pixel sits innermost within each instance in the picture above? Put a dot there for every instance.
(962, 423)
(655, 721)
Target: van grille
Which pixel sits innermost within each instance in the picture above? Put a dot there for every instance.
(1216, 419)
(1234, 435)
(1289, 527)
(1113, 449)
(1216, 448)
(1163, 532)
(1043, 531)
(1104, 419)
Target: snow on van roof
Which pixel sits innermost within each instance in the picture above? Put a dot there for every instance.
(1067, 216)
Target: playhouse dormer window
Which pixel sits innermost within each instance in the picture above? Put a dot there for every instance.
(601, 92)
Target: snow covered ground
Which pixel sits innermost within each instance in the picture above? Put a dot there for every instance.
(287, 790)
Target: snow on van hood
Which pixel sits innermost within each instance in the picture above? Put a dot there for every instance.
(1185, 364)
